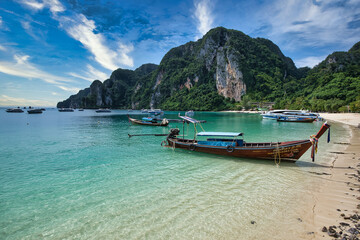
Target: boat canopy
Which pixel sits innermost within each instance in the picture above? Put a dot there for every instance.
(189, 119)
(219, 134)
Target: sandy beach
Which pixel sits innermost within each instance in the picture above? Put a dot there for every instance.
(335, 204)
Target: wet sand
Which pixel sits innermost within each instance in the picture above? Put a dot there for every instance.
(335, 201)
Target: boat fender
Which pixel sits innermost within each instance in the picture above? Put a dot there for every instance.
(230, 148)
(192, 147)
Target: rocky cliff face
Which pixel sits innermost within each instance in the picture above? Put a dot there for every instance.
(114, 92)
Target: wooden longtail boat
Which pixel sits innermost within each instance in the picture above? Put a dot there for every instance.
(163, 123)
(219, 144)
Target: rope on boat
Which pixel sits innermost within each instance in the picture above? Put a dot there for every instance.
(314, 141)
(277, 155)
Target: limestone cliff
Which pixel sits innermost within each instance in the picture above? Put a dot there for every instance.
(223, 66)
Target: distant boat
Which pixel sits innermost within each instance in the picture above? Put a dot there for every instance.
(14, 110)
(65, 110)
(148, 121)
(42, 109)
(156, 112)
(103, 110)
(81, 109)
(189, 113)
(275, 114)
(34, 111)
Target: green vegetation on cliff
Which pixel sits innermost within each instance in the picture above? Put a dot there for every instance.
(227, 69)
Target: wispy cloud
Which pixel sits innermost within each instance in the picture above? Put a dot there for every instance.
(21, 67)
(69, 89)
(308, 23)
(14, 101)
(83, 30)
(203, 16)
(2, 25)
(91, 74)
(54, 5)
(29, 30)
(309, 61)
(80, 28)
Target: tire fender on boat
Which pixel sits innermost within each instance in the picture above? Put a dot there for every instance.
(230, 148)
(192, 147)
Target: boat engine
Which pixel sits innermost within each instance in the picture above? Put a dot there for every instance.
(173, 132)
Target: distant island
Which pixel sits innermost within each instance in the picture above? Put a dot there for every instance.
(227, 70)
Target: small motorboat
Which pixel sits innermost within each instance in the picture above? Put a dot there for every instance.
(81, 109)
(34, 111)
(189, 113)
(14, 110)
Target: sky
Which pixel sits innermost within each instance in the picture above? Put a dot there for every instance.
(50, 49)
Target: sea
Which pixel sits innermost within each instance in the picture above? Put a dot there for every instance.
(78, 175)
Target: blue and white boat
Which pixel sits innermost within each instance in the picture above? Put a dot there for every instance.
(275, 114)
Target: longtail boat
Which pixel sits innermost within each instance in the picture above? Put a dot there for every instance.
(149, 122)
(228, 144)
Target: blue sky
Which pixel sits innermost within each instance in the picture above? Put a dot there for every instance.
(50, 49)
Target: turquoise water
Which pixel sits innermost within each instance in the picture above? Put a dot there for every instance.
(78, 175)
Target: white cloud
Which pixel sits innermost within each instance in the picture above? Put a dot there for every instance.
(54, 5)
(91, 74)
(35, 5)
(13, 101)
(309, 61)
(96, 73)
(204, 17)
(82, 29)
(21, 67)
(69, 89)
(2, 48)
(297, 23)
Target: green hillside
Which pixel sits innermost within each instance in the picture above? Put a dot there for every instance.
(227, 69)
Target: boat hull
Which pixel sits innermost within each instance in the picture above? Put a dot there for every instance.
(288, 151)
(296, 119)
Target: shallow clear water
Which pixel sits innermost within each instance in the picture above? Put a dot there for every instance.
(78, 175)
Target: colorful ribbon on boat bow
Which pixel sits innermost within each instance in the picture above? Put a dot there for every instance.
(314, 141)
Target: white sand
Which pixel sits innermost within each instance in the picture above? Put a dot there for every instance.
(352, 119)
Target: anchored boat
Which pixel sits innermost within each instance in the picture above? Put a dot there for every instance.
(233, 144)
(34, 111)
(14, 110)
(149, 121)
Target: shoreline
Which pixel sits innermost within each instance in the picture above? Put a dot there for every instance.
(334, 205)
